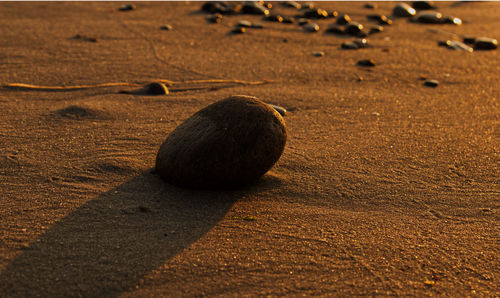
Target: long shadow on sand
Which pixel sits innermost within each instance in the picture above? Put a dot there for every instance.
(108, 244)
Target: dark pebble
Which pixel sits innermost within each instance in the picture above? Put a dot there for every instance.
(366, 63)
(403, 10)
(273, 18)
(227, 144)
(312, 27)
(456, 45)
(308, 5)
(166, 27)
(318, 53)
(291, 4)
(380, 18)
(451, 20)
(127, 7)
(315, 14)
(219, 7)
(431, 83)
(370, 5)
(155, 88)
(349, 46)
(353, 29)
(288, 20)
(214, 18)
(375, 29)
(469, 40)
(254, 8)
(303, 21)
(343, 19)
(485, 43)
(429, 17)
(267, 5)
(335, 29)
(361, 42)
(238, 30)
(423, 5)
(86, 38)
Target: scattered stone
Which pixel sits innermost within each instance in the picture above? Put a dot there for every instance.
(349, 46)
(370, 5)
(315, 14)
(403, 10)
(220, 7)
(431, 83)
(366, 63)
(303, 21)
(127, 7)
(155, 88)
(273, 18)
(423, 5)
(311, 27)
(375, 29)
(429, 17)
(318, 54)
(85, 38)
(214, 18)
(353, 28)
(485, 43)
(166, 27)
(238, 30)
(334, 29)
(244, 23)
(361, 42)
(456, 45)
(291, 4)
(343, 19)
(230, 143)
(451, 20)
(279, 109)
(254, 8)
(380, 18)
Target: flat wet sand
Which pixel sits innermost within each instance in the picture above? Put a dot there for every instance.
(385, 187)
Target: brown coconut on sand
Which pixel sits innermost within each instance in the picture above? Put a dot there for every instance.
(385, 186)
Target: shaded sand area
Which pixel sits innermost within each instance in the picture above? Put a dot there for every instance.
(385, 186)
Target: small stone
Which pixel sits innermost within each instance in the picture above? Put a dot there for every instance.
(485, 43)
(361, 42)
(267, 5)
(353, 29)
(288, 20)
(273, 18)
(343, 19)
(257, 26)
(303, 21)
(375, 29)
(291, 4)
(315, 14)
(219, 7)
(279, 109)
(333, 14)
(451, 20)
(403, 10)
(366, 63)
(244, 23)
(370, 5)
(227, 144)
(238, 30)
(254, 8)
(214, 18)
(423, 5)
(166, 27)
(469, 40)
(127, 7)
(431, 83)
(155, 88)
(380, 18)
(318, 54)
(335, 29)
(312, 27)
(429, 17)
(349, 46)
(456, 45)
(308, 5)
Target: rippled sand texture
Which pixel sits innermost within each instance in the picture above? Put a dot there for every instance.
(385, 186)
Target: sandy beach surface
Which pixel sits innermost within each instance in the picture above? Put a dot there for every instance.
(385, 187)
